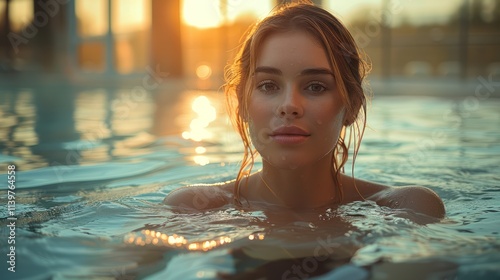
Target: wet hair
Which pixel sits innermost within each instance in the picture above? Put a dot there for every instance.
(345, 59)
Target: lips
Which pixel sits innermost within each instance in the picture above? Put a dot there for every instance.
(289, 135)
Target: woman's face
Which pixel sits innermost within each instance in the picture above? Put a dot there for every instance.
(295, 111)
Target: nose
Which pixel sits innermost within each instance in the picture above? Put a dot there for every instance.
(290, 104)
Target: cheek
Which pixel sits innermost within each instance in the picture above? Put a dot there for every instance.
(261, 113)
(255, 115)
(339, 119)
(259, 118)
(331, 122)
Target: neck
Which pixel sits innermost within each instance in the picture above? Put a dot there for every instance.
(303, 188)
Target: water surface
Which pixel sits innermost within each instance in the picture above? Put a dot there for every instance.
(93, 167)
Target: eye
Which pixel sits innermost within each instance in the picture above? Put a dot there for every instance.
(267, 86)
(316, 87)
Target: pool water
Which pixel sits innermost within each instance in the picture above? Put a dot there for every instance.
(93, 166)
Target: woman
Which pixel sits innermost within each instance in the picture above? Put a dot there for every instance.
(294, 91)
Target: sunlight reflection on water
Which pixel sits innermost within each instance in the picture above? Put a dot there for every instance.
(94, 189)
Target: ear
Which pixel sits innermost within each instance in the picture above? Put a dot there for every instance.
(348, 120)
(352, 114)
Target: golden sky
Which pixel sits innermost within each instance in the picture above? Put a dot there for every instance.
(133, 14)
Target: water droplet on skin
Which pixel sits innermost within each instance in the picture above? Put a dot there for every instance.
(393, 203)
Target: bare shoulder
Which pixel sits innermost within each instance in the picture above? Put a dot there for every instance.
(200, 197)
(419, 199)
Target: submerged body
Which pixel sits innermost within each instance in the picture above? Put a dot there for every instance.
(416, 199)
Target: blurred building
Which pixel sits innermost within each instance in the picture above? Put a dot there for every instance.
(91, 39)
(430, 40)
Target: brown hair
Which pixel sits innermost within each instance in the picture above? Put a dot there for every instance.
(348, 67)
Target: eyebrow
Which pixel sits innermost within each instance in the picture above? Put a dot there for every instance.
(305, 72)
(316, 71)
(268, 70)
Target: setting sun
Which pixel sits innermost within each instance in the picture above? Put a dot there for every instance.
(201, 14)
(209, 13)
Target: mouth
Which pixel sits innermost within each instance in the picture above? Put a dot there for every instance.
(289, 135)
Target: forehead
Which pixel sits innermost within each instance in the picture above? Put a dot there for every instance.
(293, 48)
